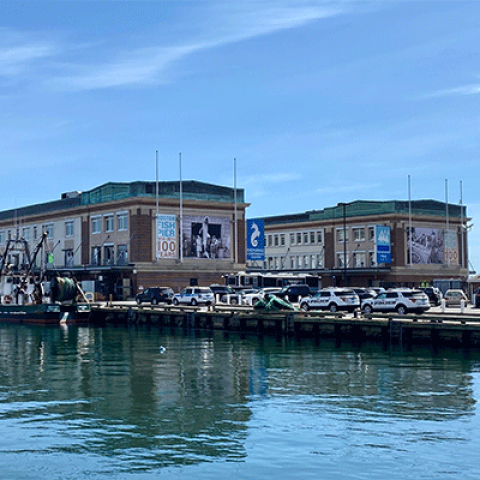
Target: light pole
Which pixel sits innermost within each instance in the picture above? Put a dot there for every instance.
(345, 244)
(344, 207)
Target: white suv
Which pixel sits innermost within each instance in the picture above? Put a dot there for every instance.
(332, 299)
(194, 296)
(400, 300)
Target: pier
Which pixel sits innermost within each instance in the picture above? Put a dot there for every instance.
(459, 330)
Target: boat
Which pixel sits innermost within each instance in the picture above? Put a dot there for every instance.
(28, 295)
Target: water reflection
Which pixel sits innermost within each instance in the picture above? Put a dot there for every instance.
(132, 399)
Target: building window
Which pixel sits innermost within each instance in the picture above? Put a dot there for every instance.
(69, 228)
(3, 238)
(292, 239)
(371, 233)
(9, 234)
(270, 240)
(292, 262)
(373, 259)
(276, 240)
(96, 225)
(359, 259)
(319, 261)
(122, 221)
(305, 238)
(312, 237)
(340, 235)
(96, 256)
(49, 230)
(282, 239)
(319, 236)
(69, 258)
(35, 233)
(26, 234)
(359, 234)
(299, 238)
(340, 262)
(122, 256)
(109, 226)
(108, 254)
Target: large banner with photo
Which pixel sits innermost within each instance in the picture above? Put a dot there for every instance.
(432, 245)
(166, 238)
(206, 237)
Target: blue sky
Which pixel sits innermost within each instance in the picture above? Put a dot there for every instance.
(320, 101)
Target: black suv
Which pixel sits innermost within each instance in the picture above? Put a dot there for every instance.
(293, 293)
(155, 295)
(434, 295)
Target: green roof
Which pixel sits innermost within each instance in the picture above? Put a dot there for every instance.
(108, 192)
(362, 208)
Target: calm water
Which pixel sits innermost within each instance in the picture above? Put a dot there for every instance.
(126, 403)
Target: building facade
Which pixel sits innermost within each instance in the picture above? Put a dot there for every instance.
(370, 243)
(128, 236)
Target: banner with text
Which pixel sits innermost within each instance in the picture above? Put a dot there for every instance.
(166, 238)
(384, 253)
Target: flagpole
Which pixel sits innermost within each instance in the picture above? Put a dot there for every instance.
(156, 206)
(235, 208)
(446, 216)
(409, 237)
(156, 182)
(181, 209)
(462, 227)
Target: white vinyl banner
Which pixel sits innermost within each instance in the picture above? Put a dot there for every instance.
(166, 238)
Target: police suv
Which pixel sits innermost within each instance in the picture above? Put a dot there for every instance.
(400, 300)
(332, 299)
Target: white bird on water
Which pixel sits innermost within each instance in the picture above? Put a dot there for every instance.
(162, 349)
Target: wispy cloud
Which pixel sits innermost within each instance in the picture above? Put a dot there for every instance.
(18, 52)
(457, 91)
(228, 22)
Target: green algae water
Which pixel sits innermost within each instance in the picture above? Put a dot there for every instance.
(144, 403)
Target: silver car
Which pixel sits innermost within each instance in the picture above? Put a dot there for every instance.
(194, 296)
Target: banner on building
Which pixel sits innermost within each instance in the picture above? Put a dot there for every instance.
(451, 247)
(166, 237)
(255, 240)
(206, 237)
(383, 248)
(426, 246)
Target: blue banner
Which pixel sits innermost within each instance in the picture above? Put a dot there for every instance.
(384, 253)
(255, 240)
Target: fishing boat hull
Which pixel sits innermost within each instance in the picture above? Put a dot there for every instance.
(45, 314)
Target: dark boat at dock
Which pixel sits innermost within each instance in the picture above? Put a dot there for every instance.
(23, 298)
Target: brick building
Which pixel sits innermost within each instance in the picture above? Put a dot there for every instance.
(110, 236)
(423, 241)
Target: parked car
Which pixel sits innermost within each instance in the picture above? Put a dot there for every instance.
(270, 290)
(155, 295)
(434, 295)
(250, 296)
(454, 296)
(293, 293)
(364, 293)
(332, 299)
(194, 296)
(222, 290)
(398, 300)
(477, 298)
